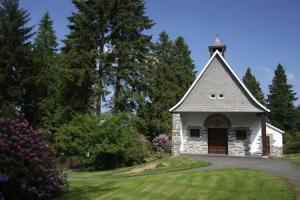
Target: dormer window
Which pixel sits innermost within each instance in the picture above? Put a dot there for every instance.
(212, 96)
(221, 96)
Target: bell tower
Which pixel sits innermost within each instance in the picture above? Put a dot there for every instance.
(217, 45)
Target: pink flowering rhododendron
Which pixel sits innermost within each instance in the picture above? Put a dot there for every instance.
(162, 143)
(27, 165)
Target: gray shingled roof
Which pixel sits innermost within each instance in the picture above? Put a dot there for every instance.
(217, 77)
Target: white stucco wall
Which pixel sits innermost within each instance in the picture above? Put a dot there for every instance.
(251, 120)
(277, 136)
(276, 142)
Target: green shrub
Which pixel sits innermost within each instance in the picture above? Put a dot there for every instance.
(291, 142)
(137, 152)
(104, 142)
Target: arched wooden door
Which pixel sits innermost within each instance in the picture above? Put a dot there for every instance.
(217, 141)
(217, 126)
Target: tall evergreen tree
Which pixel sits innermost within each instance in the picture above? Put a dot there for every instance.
(298, 118)
(281, 101)
(40, 101)
(45, 41)
(172, 74)
(130, 47)
(15, 54)
(253, 86)
(85, 57)
(185, 68)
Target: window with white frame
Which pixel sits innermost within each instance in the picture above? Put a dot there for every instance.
(221, 96)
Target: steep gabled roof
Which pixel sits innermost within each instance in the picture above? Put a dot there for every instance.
(216, 54)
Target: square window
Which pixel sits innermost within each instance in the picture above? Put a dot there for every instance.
(213, 96)
(194, 132)
(221, 96)
(241, 134)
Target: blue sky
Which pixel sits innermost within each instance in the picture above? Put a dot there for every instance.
(259, 33)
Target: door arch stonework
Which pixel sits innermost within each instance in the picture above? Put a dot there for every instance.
(217, 121)
(218, 126)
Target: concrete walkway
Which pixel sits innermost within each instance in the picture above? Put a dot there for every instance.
(283, 168)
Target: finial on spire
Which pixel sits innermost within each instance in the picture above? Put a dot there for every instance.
(217, 37)
(217, 45)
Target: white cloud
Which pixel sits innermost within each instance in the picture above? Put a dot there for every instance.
(266, 69)
(290, 76)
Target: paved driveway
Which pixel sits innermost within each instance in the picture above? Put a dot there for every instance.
(283, 168)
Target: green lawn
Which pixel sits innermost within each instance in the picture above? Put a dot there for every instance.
(295, 158)
(160, 183)
(163, 165)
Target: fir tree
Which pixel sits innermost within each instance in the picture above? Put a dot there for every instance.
(298, 118)
(130, 47)
(281, 101)
(15, 54)
(45, 41)
(85, 57)
(40, 100)
(172, 74)
(253, 86)
(185, 68)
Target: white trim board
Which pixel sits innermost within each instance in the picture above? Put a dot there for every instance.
(235, 76)
(275, 128)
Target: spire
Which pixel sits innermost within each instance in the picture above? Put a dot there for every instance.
(217, 45)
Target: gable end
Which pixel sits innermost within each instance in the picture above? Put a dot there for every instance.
(217, 56)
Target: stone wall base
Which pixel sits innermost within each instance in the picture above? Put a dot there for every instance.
(176, 139)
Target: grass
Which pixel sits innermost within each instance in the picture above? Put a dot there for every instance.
(295, 158)
(175, 164)
(161, 166)
(170, 181)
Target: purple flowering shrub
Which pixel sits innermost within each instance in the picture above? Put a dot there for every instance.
(162, 143)
(3, 179)
(27, 163)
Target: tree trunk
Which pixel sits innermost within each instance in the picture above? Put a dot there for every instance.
(117, 104)
(99, 94)
(100, 82)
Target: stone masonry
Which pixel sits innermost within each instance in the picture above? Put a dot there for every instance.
(238, 147)
(176, 139)
(196, 145)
